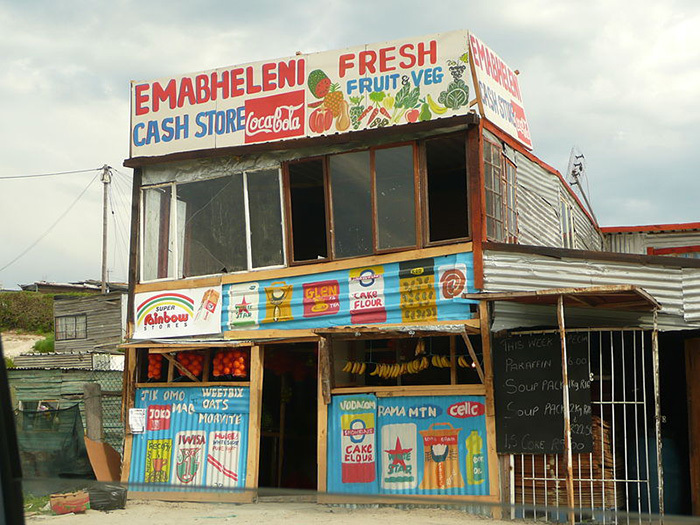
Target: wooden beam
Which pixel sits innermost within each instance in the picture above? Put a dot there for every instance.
(453, 360)
(472, 354)
(322, 434)
(92, 397)
(413, 390)
(324, 369)
(570, 501)
(257, 362)
(494, 471)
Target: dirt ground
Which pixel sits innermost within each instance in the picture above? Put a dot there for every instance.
(14, 344)
(156, 512)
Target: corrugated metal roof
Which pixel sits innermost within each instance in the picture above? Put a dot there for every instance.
(691, 294)
(81, 360)
(509, 271)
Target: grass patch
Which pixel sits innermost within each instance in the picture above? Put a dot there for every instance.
(36, 504)
(46, 345)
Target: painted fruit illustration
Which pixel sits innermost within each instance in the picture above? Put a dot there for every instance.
(342, 122)
(321, 120)
(412, 115)
(319, 83)
(334, 100)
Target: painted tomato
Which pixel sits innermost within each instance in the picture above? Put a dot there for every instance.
(412, 115)
(321, 120)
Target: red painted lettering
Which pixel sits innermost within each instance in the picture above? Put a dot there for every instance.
(345, 62)
(141, 95)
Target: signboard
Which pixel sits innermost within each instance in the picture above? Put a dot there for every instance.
(498, 91)
(410, 445)
(192, 311)
(424, 290)
(195, 438)
(364, 87)
(528, 394)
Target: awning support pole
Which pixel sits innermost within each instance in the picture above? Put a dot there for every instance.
(567, 412)
(657, 407)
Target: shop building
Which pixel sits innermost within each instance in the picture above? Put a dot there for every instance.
(325, 250)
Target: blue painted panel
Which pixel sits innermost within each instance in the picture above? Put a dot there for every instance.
(409, 445)
(423, 290)
(195, 438)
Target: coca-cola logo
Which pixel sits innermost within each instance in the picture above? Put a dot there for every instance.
(521, 123)
(274, 117)
(465, 409)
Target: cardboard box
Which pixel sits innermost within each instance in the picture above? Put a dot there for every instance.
(70, 502)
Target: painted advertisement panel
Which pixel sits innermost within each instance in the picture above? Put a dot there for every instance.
(175, 313)
(424, 290)
(307, 95)
(195, 438)
(498, 91)
(424, 445)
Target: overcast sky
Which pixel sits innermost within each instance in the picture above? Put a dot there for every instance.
(619, 80)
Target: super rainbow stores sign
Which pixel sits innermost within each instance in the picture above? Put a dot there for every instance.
(175, 313)
(365, 87)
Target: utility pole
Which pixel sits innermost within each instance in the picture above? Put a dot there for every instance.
(106, 180)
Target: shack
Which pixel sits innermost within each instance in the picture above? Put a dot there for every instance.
(318, 247)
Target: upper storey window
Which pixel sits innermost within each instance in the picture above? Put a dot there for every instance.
(501, 201)
(221, 225)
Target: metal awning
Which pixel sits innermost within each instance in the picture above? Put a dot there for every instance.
(612, 297)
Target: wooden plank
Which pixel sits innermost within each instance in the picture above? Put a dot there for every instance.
(134, 241)
(477, 196)
(257, 361)
(472, 354)
(188, 385)
(257, 335)
(347, 264)
(494, 471)
(127, 403)
(567, 413)
(227, 496)
(197, 282)
(322, 436)
(324, 369)
(417, 390)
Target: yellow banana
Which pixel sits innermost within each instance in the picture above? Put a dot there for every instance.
(460, 361)
(347, 366)
(424, 363)
(375, 371)
(446, 361)
(435, 107)
(355, 367)
(363, 367)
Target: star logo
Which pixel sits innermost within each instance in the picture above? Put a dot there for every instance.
(242, 308)
(399, 455)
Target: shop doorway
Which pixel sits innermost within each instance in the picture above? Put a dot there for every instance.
(288, 437)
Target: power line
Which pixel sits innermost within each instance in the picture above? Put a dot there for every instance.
(48, 174)
(52, 226)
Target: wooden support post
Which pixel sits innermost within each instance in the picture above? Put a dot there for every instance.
(322, 432)
(324, 366)
(92, 398)
(472, 354)
(257, 357)
(130, 370)
(657, 408)
(494, 471)
(567, 412)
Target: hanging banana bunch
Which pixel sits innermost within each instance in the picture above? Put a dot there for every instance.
(355, 367)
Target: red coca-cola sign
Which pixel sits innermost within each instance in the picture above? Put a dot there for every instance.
(465, 409)
(274, 117)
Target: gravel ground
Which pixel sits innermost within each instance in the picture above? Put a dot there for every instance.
(157, 512)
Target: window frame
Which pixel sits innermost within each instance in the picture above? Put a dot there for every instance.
(567, 223)
(75, 317)
(328, 197)
(424, 191)
(172, 227)
(507, 233)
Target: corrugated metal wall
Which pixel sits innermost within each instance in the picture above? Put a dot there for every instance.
(640, 241)
(505, 272)
(691, 294)
(538, 193)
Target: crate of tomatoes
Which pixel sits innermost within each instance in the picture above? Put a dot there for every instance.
(193, 362)
(230, 364)
(155, 367)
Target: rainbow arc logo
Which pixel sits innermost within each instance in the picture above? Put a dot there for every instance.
(177, 303)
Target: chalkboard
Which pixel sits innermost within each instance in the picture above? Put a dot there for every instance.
(529, 396)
